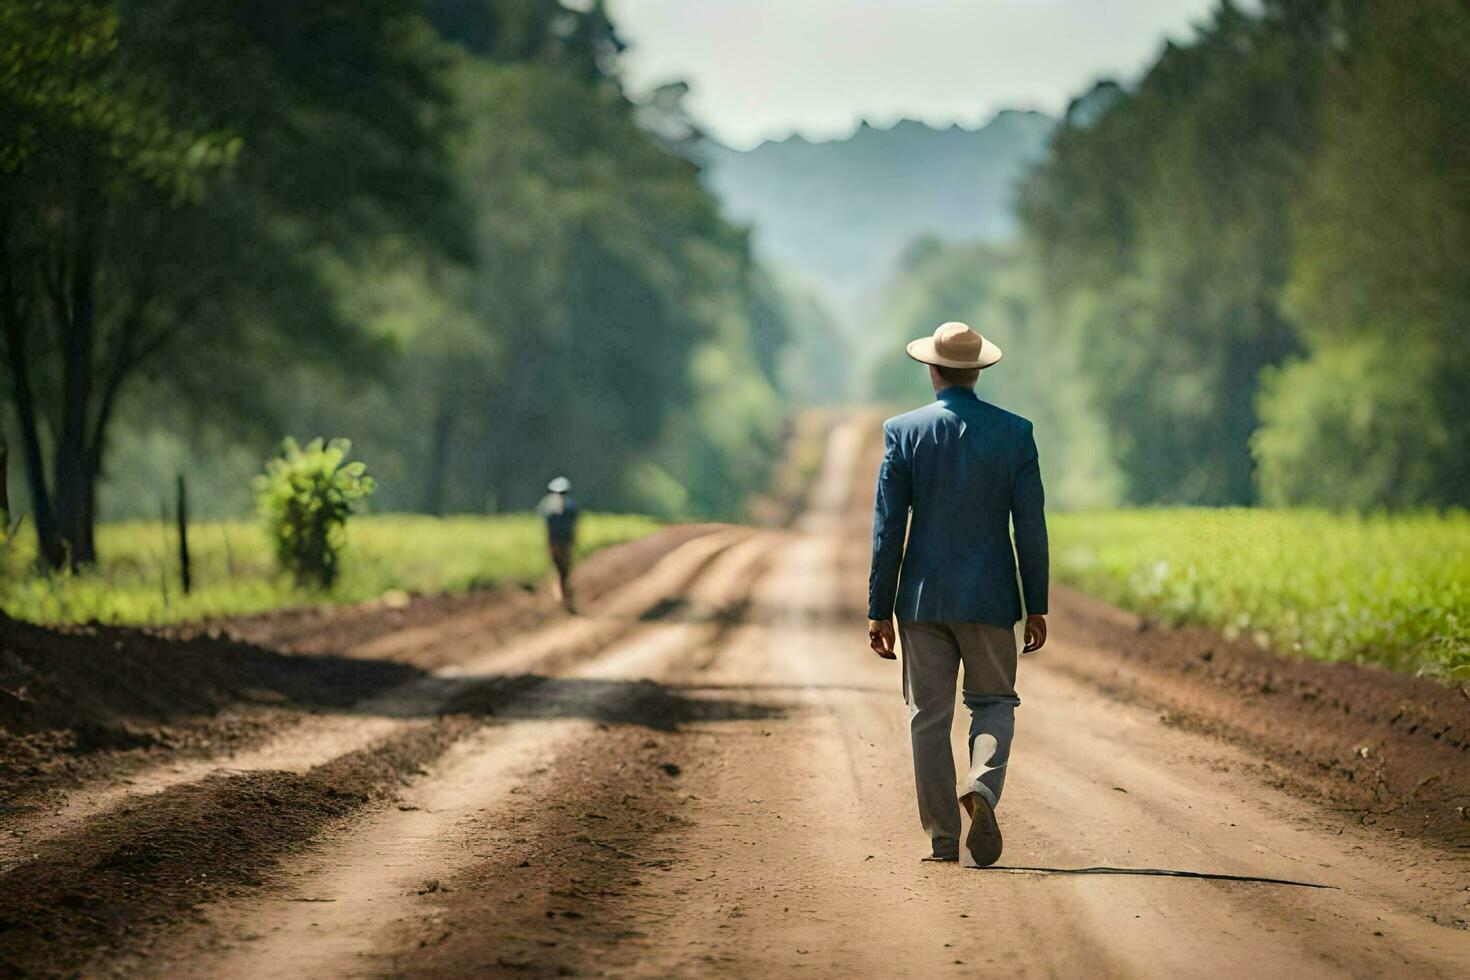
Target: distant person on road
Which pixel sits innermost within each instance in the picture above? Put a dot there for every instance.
(957, 473)
(560, 512)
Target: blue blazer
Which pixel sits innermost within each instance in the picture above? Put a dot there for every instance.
(965, 470)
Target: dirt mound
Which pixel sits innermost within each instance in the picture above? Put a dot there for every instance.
(100, 682)
(82, 702)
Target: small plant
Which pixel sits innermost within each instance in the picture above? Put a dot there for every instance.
(306, 496)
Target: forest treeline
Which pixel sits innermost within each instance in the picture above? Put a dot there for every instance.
(1246, 277)
(439, 227)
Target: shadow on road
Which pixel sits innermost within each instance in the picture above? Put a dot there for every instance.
(1153, 872)
(849, 688)
(749, 612)
(101, 683)
(622, 702)
(102, 689)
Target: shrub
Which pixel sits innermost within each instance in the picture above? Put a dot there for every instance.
(306, 496)
(1354, 427)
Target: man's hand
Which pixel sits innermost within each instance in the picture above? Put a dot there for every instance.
(1035, 634)
(881, 639)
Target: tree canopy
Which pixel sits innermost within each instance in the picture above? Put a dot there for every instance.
(1243, 278)
(437, 227)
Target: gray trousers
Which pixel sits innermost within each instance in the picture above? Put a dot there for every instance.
(932, 656)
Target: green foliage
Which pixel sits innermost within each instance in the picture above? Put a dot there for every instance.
(605, 282)
(1355, 426)
(179, 175)
(1380, 284)
(447, 232)
(815, 368)
(1389, 590)
(235, 570)
(1275, 211)
(306, 496)
(994, 289)
(13, 565)
(1160, 221)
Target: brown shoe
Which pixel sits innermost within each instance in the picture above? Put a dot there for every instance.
(983, 840)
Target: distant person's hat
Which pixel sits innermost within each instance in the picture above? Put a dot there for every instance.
(560, 485)
(954, 345)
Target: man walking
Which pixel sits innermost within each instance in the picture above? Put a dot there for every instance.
(958, 472)
(560, 512)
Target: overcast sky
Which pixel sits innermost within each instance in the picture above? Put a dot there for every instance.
(764, 68)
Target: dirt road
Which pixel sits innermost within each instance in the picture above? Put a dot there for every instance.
(707, 774)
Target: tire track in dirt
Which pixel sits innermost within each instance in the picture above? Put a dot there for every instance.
(98, 888)
(361, 881)
(798, 854)
(312, 740)
(793, 848)
(726, 791)
(108, 879)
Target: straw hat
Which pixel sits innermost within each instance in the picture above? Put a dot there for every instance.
(954, 345)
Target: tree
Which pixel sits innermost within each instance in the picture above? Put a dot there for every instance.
(177, 172)
(604, 277)
(1162, 225)
(1379, 410)
(1354, 426)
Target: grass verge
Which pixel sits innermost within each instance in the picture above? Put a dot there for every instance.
(1394, 590)
(234, 573)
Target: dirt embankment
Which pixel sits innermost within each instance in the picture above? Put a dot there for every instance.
(1393, 749)
(508, 608)
(91, 705)
(79, 703)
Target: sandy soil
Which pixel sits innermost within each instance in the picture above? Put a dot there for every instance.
(707, 774)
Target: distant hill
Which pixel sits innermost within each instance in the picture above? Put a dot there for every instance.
(839, 213)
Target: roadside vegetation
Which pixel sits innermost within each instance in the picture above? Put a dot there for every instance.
(1240, 279)
(1393, 590)
(451, 235)
(235, 571)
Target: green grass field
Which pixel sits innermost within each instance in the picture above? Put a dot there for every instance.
(1393, 590)
(234, 572)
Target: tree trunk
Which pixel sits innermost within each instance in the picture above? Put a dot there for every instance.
(16, 313)
(438, 476)
(53, 552)
(74, 477)
(4, 486)
(181, 513)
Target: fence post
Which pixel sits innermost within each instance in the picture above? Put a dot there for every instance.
(163, 562)
(182, 511)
